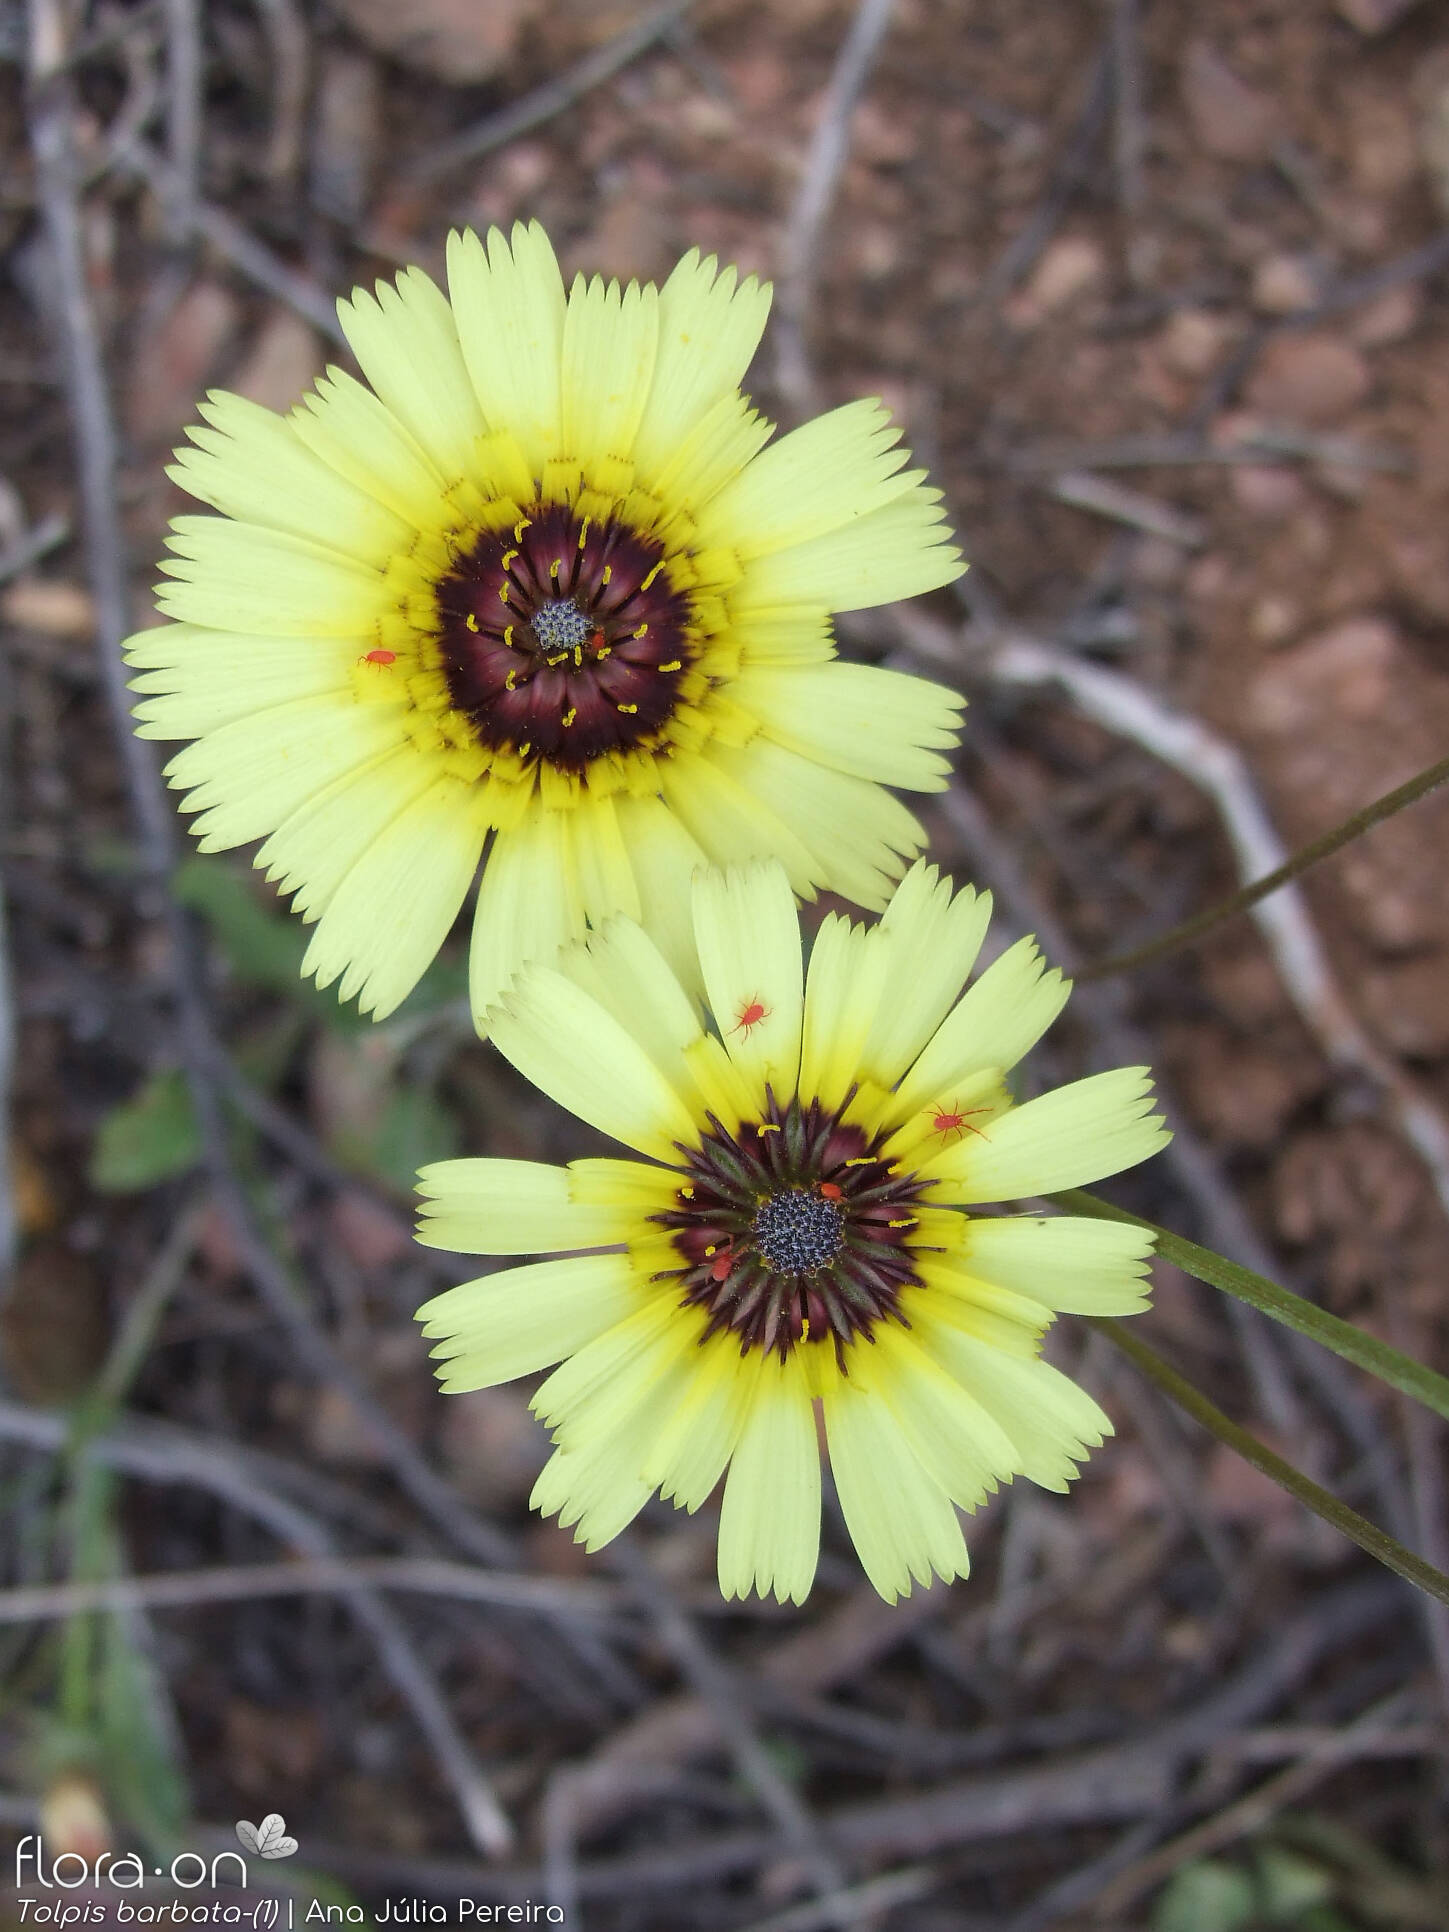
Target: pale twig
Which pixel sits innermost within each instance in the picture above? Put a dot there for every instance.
(237, 244)
(1130, 710)
(805, 223)
(38, 541)
(96, 462)
(245, 1582)
(8, 1224)
(552, 98)
(152, 1454)
(1084, 491)
(291, 70)
(713, 1681)
(1245, 1815)
(183, 111)
(875, 1895)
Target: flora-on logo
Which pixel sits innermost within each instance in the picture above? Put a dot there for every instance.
(269, 1839)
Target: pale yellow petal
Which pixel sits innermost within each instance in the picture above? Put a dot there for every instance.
(858, 836)
(528, 906)
(252, 464)
(931, 938)
(769, 1524)
(709, 329)
(664, 858)
(315, 847)
(899, 551)
(844, 988)
(203, 679)
(999, 1020)
(510, 1207)
(523, 1319)
(509, 305)
(1069, 1264)
(829, 474)
(344, 424)
(748, 935)
(899, 1517)
(1067, 1138)
(579, 1055)
(857, 718)
(241, 577)
(382, 927)
(405, 338)
(729, 820)
(609, 342)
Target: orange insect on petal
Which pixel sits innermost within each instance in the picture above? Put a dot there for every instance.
(830, 1190)
(721, 1265)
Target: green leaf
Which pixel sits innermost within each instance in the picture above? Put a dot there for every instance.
(149, 1138)
(413, 1129)
(263, 948)
(1365, 1351)
(1207, 1897)
(1288, 1884)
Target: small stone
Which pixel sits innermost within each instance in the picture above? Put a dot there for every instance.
(456, 42)
(1230, 119)
(1284, 284)
(175, 359)
(1193, 341)
(1273, 620)
(1389, 318)
(1309, 379)
(47, 605)
(1267, 490)
(1345, 672)
(284, 360)
(1067, 269)
(1374, 16)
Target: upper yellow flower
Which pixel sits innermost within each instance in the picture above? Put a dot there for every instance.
(542, 579)
(795, 1234)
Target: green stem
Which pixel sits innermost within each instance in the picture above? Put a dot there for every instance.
(1358, 1529)
(1365, 1351)
(1306, 856)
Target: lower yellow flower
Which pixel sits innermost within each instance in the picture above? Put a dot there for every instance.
(795, 1235)
(540, 587)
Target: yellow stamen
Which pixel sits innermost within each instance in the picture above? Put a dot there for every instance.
(583, 534)
(674, 664)
(503, 592)
(652, 575)
(555, 567)
(643, 631)
(629, 709)
(862, 1160)
(508, 557)
(508, 635)
(510, 681)
(607, 573)
(568, 718)
(470, 623)
(519, 528)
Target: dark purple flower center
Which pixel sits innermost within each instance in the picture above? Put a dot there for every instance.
(793, 1229)
(564, 639)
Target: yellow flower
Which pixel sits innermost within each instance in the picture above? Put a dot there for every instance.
(795, 1234)
(543, 580)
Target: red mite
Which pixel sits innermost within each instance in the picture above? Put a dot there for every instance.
(721, 1265)
(378, 657)
(751, 1013)
(830, 1190)
(956, 1124)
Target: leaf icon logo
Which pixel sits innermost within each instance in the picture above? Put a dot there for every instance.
(269, 1839)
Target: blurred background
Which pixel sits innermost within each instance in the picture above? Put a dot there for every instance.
(1160, 292)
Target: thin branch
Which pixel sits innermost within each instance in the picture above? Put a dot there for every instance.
(1354, 1344)
(805, 223)
(1379, 1544)
(552, 98)
(1302, 860)
(245, 1582)
(1130, 710)
(96, 462)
